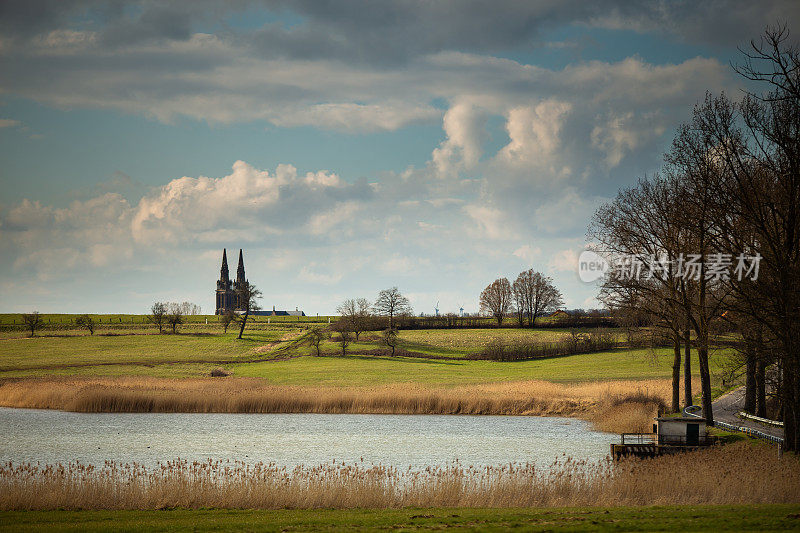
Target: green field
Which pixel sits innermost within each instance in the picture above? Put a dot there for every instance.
(279, 354)
(674, 518)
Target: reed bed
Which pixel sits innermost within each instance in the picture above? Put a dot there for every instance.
(733, 474)
(254, 395)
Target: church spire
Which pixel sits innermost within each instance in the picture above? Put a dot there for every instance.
(240, 269)
(223, 272)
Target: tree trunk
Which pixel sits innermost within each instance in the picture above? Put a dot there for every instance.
(750, 380)
(244, 321)
(676, 372)
(687, 367)
(705, 380)
(761, 387)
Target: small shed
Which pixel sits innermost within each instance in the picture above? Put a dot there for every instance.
(681, 431)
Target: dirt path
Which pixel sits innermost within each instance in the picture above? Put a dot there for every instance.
(727, 407)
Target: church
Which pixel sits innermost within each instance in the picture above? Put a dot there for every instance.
(227, 293)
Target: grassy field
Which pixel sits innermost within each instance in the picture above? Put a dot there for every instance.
(271, 354)
(671, 518)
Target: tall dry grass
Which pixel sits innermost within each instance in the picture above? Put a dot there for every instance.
(253, 395)
(732, 474)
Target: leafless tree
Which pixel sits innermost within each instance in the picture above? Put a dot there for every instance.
(356, 312)
(32, 321)
(317, 336)
(390, 339)
(248, 296)
(86, 322)
(345, 337)
(496, 299)
(392, 303)
(158, 315)
(174, 315)
(757, 142)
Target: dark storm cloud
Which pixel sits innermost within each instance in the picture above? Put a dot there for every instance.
(362, 31)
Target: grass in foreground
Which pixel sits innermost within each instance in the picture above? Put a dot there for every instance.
(738, 473)
(672, 518)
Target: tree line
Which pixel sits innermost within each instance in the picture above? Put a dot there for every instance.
(713, 238)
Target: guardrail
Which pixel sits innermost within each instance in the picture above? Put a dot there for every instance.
(767, 421)
(692, 410)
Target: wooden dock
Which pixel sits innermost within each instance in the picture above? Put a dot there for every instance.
(644, 445)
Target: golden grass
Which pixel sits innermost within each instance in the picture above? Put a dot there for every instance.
(254, 395)
(733, 474)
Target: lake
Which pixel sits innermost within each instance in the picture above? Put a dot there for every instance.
(416, 441)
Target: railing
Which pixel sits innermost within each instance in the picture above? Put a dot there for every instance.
(638, 438)
(692, 410)
(766, 421)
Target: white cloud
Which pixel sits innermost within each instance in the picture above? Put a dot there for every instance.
(464, 125)
(322, 278)
(527, 253)
(492, 223)
(564, 261)
(534, 133)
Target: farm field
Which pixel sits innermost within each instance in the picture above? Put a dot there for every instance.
(279, 355)
(671, 518)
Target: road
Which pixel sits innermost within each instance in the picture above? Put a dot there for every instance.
(727, 406)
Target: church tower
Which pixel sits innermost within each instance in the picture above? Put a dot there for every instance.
(225, 294)
(240, 282)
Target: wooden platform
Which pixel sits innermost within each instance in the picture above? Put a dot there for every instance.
(651, 445)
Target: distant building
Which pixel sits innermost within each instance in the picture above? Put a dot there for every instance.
(559, 314)
(227, 291)
(275, 312)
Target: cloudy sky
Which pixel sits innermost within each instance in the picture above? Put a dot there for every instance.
(347, 146)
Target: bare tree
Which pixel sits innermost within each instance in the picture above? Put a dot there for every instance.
(86, 322)
(496, 298)
(158, 315)
(248, 296)
(757, 142)
(536, 294)
(32, 321)
(392, 303)
(317, 336)
(390, 339)
(356, 312)
(344, 340)
(226, 318)
(175, 315)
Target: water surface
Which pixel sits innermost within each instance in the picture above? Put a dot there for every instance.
(31, 435)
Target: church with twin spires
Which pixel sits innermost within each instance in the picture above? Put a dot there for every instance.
(228, 291)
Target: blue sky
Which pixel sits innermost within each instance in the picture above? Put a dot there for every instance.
(347, 147)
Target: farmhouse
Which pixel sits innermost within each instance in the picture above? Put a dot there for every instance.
(275, 312)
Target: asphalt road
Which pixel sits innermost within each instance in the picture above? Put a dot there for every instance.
(727, 407)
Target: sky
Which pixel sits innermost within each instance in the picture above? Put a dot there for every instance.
(346, 147)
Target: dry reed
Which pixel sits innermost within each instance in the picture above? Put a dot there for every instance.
(253, 395)
(734, 474)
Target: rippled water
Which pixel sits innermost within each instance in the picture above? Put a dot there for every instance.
(290, 439)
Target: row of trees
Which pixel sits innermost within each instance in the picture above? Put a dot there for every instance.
(531, 296)
(162, 314)
(729, 189)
